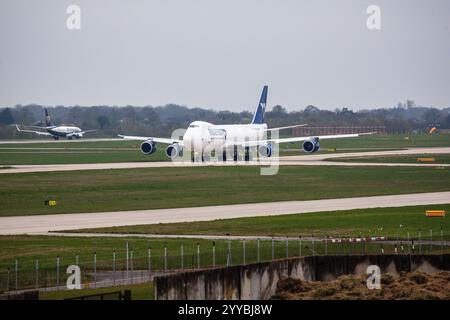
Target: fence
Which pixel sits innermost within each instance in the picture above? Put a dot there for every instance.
(128, 266)
(115, 295)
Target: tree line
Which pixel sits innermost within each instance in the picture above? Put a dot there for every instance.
(162, 120)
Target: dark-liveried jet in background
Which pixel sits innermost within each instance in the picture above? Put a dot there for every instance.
(56, 132)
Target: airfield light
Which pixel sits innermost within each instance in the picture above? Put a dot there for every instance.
(435, 213)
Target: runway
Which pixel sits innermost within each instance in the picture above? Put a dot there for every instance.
(40, 224)
(50, 140)
(303, 160)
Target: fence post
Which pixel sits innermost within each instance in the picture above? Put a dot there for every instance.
(409, 243)
(127, 261)
(7, 283)
(57, 272)
(16, 274)
(198, 255)
(243, 251)
(299, 246)
(273, 249)
(326, 245)
(229, 253)
(114, 267)
(95, 270)
(420, 241)
(149, 256)
(131, 265)
(214, 253)
(76, 260)
(431, 240)
(165, 257)
(37, 273)
(182, 257)
(362, 242)
(442, 240)
(287, 247)
(258, 244)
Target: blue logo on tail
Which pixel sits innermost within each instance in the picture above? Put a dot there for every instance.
(258, 117)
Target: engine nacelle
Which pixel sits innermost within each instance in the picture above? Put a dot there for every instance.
(148, 147)
(311, 145)
(265, 150)
(173, 150)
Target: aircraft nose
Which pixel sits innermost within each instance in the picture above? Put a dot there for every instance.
(187, 138)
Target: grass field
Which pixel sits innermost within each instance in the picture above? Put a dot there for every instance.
(143, 291)
(85, 151)
(373, 222)
(377, 142)
(130, 189)
(438, 158)
(76, 152)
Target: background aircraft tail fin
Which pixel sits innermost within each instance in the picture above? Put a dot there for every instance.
(258, 117)
(48, 121)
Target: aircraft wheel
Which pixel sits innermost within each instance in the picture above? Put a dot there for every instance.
(247, 154)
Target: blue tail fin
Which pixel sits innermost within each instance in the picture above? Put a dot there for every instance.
(48, 121)
(258, 117)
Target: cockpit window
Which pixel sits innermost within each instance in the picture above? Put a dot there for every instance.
(217, 132)
(194, 126)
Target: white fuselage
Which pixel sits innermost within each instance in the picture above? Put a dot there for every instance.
(65, 131)
(203, 136)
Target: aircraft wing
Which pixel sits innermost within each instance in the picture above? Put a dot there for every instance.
(288, 127)
(37, 127)
(158, 140)
(294, 139)
(81, 132)
(41, 133)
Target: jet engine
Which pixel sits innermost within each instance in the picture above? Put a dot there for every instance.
(311, 145)
(265, 150)
(148, 147)
(173, 150)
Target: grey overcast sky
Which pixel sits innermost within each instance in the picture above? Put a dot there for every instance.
(219, 53)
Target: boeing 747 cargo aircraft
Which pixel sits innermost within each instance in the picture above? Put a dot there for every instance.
(202, 136)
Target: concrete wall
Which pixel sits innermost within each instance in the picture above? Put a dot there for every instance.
(259, 280)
